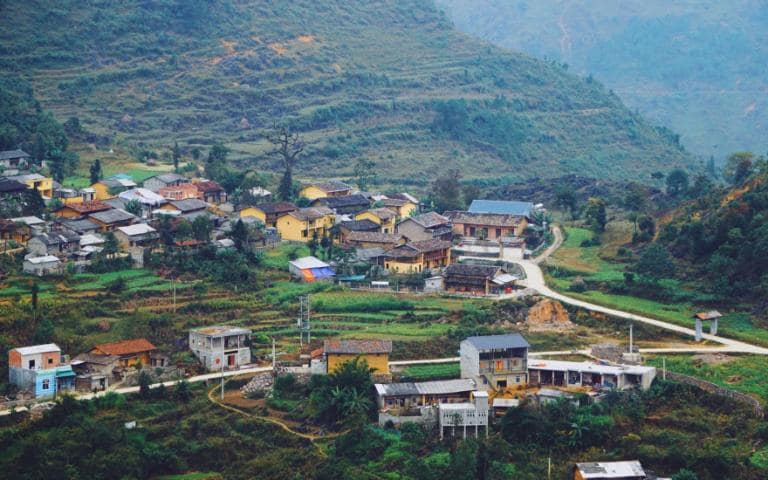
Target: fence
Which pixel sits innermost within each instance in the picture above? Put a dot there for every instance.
(710, 387)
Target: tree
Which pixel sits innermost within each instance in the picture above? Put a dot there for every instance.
(326, 244)
(202, 228)
(239, 234)
(595, 214)
(446, 191)
(111, 246)
(288, 145)
(566, 199)
(469, 192)
(144, 382)
(95, 171)
(134, 207)
(313, 244)
(685, 474)
(184, 230)
(738, 167)
(216, 162)
(117, 285)
(635, 197)
(710, 167)
(365, 173)
(44, 331)
(655, 263)
(677, 182)
(182, 392)
(176, 154)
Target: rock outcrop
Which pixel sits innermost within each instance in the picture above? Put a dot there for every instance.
(548, 314)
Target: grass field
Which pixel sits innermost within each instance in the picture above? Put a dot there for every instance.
(437, 371)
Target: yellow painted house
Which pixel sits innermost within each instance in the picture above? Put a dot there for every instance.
(415, 257)
(35, 181)
(268, 213)
(374, 352)
(110, 187)
(384, 217)
(403, 208)
(333, 188)
(302, 224)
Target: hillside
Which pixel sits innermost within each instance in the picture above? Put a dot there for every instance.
(389, 80)
(697, 67)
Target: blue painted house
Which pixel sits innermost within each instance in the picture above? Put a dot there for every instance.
(39, 370)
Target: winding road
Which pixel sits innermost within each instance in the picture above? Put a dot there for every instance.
(535, 281)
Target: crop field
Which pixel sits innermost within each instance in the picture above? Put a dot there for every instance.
(438, 371)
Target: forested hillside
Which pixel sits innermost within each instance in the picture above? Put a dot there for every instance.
(697, 67)
(389, 80)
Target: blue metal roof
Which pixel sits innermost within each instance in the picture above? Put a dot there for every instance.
(504, 207)
(497, 342)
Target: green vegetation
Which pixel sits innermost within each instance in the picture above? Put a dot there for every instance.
(419, 373)
(392, 82)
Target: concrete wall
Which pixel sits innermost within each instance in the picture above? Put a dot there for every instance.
(470, 363)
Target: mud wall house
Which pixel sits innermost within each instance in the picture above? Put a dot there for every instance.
(427, 226)
(42, 265)
(164, 180)
(268, 213)
(495, 361)
(56, 242)
(374, 352)
(211, 192)
(219, 346)
(130, 352)
(305, 223)
(365, 240)
(185, 208)
(587, 374)
(385, 218)
(415, 257)
(82, 209)
(39, 369)
(344, 228)
(139, 235)
(477, 279)
(94, 372)
(332, 188)
(110, 220)
(310, 269)
(111, 187)
(81, 226)
(182, 191)
(404, 208)
(35, 181)
(12, 161)
(11, 231)
(11, 189)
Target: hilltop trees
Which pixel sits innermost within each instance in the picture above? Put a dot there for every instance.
(446, 191)
(595, 214)
(677, 182)
(95, 171)
(288, 145)
(738, 167)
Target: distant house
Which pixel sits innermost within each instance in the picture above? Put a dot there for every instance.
(310, 269)
(136, 235)
(111, 187)
(398, 398)
(11, 231)
(111, 219)
(626, 470)
(190, 207)
(268, 213)
(344, 205)
(415, 257)
(495, 361)
(221, 346)
(40, 370)
(164, 180)
(402, 207)
(374, 352)
(332, 188)
(43, 265)
(94, 372)
(11, 188)
(587, 374)
(344, 228)
(477, 279)
(502, 207)
(131, 352)
(426, 226)
(14, 160)
(55, 242)
(305, 223)
(384, 217)
(488, 226)
(79, 210)
(35, 181)
(148, 199)
(182, 191)
(211, 192)
(387, 241)
(81, 226)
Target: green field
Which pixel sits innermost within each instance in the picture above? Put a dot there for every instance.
(439, 371)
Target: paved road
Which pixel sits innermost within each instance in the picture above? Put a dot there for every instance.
(535, 280)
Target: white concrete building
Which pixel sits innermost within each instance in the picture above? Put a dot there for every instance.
(221, 346)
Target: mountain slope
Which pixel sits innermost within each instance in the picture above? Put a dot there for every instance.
(697, 67)
(388, 80)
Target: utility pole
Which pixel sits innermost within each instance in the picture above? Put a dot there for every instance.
(222, 379)
(274, 355)
(664, 368)
(303, 321)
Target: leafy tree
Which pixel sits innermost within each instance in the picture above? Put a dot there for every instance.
(202, 228)
(677, 182)
(111, 246)
(239, 234)
(566, 199)
(144, 382)
(215, 164)
(596, 215)
(710, 167)
(635, 198)
(446, 191)
(326, 244)
(738, 167)
(313, 244)
(365, 173)
(685, 474)
(288, 145)
(469, 192)
(44, 331)
(117, 285)
(655, 262)
(182, 392)
(176, 155)
(184, 230)
(134, 207)
(95, 171)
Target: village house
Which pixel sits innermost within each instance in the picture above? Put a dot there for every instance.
(365, 240)
(40, 370)
(79, 210)
(148, 199)
(625, 470)
(463, 416)
(58, 242)
(477, 279)
(131, 352)
(385, 218)
(190, 208)
(305, 223)
(42, 265)
(139, 235)
(564, 374)
(35, 181)
(37, 224)
(94, 372)
(403, 208)
(332, 188)
(344, 205)
(427, 226)
(415, 257)
(12, 161)
(11, 189)
(495, 361)
(344, 228)
(111, 219)
(502, 207)
(220, 347)
(11, 231)
(164, 180)
(487, 226)
(398, 399)
(211, 192)
(336, 352)
(111, 187)
(81, 226)
(310, 269)
(268, 213)
(182, 191)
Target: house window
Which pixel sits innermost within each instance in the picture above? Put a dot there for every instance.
(498, 232)
(304, 233)
(50, 361)
(46, 384)
(31, 364)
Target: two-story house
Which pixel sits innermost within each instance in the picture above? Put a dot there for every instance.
(35, 181)
(495, 361)
(268, 213)
(12, 161)
(221, 346)
(164, 180)
(415, 257)
(374, 352)
(344, 205)
(305, 223)
(384, 217)
(40, 370)
(332, 188)
(425, 227)
(403, 208)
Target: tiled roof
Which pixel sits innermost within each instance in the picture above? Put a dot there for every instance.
(87, 207)
(413, 249)
(430, 219)
(9, 154)
(189, 205)
(495, 342)
(169, 177)
(112, 216)
(383, 213)
(126, 347)
(374, 237)
(490, 219)
(364, 225)
(343, 201)
(9, 186)
(357, 346)
(311, 213)
(209, 186)
(467, 270)
(331, 186)
(276, 207)
(438, 387)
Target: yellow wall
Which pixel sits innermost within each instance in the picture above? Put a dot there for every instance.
(311, 192)
(253, 212)
(402, 267)
(386, 226)
(405, 210)
(378, 361)
(102, 191)
(44, 186)
(72, 200)
(291, 228)
(67, 213)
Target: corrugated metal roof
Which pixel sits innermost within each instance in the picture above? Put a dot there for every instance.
(45, 348)
(438, 387)
(504, 207)
(488, 342)
(308, 262)
(602, 470)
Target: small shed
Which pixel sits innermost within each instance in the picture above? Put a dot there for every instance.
(43, 265)
(310, 269)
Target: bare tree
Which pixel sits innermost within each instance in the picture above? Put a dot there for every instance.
(288, 146)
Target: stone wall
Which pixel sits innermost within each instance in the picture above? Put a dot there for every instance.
(710, 387)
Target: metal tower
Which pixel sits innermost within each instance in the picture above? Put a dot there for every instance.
(302, 322)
